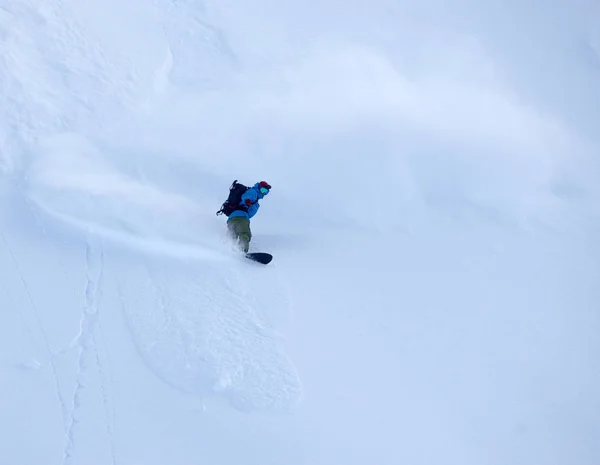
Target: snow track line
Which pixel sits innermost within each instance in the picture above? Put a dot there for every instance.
(94, 256)
(18, 308)
(109, 411)
(36, 314)
(94, 273)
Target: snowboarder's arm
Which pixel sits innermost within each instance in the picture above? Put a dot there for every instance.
(249, 197)
(253, 209)
(250, 201)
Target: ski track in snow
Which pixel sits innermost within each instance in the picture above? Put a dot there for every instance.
(105, 382)
(40, 327)
(13, 304)
(89, 356)
(201, 335)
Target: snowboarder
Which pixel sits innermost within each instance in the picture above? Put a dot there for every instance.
(238, 223)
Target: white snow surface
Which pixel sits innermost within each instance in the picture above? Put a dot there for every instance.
(434, 218)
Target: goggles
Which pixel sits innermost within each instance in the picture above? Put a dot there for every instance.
(264, 190)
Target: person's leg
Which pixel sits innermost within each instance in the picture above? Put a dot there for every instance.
(231, 228)
(244, 234)
(239, 228)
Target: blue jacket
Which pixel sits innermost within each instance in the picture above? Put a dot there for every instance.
(254, 195)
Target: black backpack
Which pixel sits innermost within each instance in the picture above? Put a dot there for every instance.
(236, 190)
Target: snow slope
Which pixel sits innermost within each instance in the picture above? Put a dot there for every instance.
(434, 218)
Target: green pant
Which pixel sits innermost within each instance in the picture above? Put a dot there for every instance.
(239, 230)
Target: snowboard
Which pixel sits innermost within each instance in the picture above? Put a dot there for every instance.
(260, 257)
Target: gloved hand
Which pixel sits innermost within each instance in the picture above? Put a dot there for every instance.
(248, 203)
